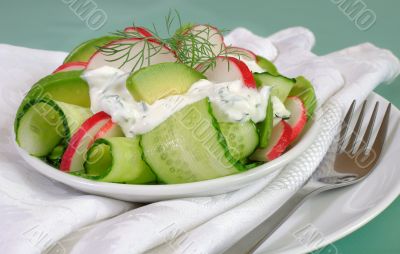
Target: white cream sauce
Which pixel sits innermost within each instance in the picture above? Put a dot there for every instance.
(231, 101)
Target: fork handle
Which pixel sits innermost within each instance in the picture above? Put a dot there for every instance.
(252, 240)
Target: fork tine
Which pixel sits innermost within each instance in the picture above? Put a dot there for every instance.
(381, 136)
(345, 124)
(356, 130)
(368, 131)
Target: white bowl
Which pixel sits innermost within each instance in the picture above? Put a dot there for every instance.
(151, 193)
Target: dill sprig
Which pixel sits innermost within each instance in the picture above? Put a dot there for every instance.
(192, 47)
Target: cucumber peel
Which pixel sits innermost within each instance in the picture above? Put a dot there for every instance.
(119, 160)
(265, 127)
(267, 65)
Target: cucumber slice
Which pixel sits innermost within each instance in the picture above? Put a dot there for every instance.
(280, 85)
(44, 123)
(118, 160)
(54, 158)
(161, 80)
(241, 138)
(189, 147)
(85, 50)
(267, 65)
(305, 91)
(265, 127)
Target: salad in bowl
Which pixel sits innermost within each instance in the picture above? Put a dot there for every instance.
(137, 108)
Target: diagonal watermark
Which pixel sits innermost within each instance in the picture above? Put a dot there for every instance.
(358, 12)
(88, 12)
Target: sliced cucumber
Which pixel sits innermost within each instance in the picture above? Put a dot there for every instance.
(118, 160)
(85, 50)
(189, 147)
(241, 138)
(161, 80)
(44, 123)
(280, 85)
(267, 65)
(265, 127)
(54, 158)
(305, 91)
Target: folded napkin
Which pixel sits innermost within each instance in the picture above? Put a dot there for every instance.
(36, 212)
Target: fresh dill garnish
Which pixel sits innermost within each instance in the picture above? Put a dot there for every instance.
(195, 46)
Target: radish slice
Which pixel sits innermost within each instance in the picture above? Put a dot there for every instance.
(229, 69)
(279, 141)
(74, 155)
(298, 116)
(141, 30)
(109, 129)
(209, 34)
(71, 66)
(241, 53)
(153, 53)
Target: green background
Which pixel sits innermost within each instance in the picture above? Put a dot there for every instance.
(50, 24)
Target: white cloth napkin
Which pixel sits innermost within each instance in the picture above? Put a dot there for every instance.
(37, 212)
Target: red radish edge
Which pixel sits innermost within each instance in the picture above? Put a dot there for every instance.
(280, 137)
(282, 144)
(106, 127)
(298, 119)
(247, 51)
(72, 65)
(109, 125)
(213, 27)
(248, 78)
(218, 32)
(143, 31)
(77, 137)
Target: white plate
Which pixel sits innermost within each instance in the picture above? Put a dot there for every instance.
(151, 193)
(335, 214)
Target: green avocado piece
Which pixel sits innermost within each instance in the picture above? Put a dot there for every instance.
(305, 91)
(280, 85)
(267, 65)
(66, 87)
(161, 80)
(85, 50)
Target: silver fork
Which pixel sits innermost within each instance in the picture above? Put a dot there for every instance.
(350, 166)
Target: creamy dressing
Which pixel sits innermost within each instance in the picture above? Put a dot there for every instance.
(279, 108)
(280, 112)
(232, 101)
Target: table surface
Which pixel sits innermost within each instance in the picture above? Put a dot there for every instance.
(52, 25)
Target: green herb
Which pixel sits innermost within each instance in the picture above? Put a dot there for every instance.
(191, 47)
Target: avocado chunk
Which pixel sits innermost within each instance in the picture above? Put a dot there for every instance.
(66, 87)
(85, 50)
(161, 80)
